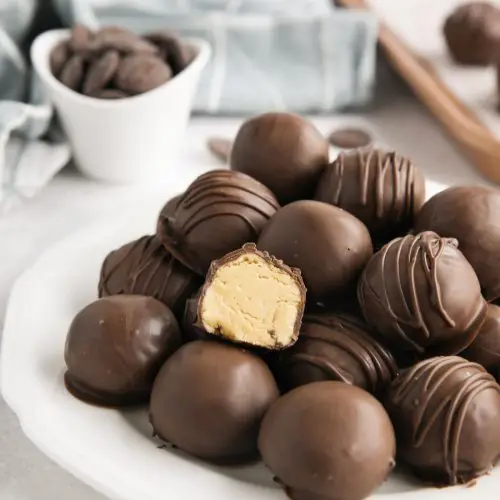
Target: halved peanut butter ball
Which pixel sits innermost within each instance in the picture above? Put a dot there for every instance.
(252, 298)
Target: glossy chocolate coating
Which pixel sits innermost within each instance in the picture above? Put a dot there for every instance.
(283, 151)
(472, 33)
(420, 294)
(190, 329)
(485, 350)
(382, 189)
(469, 214)
(209, 400)
(446, 414)
(115, 347)
(328, 441)
(337, 347)
(329, 245)
(219, 212)
(144, 267)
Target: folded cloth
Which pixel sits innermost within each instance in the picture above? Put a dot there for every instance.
(300, 55)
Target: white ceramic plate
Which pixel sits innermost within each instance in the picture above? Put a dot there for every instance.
(110, 450)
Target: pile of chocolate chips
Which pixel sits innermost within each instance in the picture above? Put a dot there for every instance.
(113, 63)
(318, 315)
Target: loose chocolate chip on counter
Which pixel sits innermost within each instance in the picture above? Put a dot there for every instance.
(81, 38)
(220, 148)
(58, 58)
(172, 50)
(122, 41)
(72, 72)
(139, 73)
(349, 138)
(101, 72)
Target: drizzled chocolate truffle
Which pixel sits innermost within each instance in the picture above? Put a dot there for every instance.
(220, 211)
(144, 267)
(250, 297)
(485, 350)
(472, 33)
(469, 214)
(446, 414)
(330, 246)
(420, 294)
(382, 189)
(115, 347)
(328, 441)
(283, 151)
(337, 347)
(209, 400)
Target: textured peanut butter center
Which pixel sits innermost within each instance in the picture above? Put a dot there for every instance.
(250, 300)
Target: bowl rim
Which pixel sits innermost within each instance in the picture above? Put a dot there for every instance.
(44, 43)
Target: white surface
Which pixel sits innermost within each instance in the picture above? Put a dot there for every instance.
(71, 202)
(419, 23)
(124, 140)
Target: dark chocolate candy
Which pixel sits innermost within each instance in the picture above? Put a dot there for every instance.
(139, 73)
(485, 349)
(472, 33)
(469, 214)
(446, 413)
(209, 399)
(122, 41)
(100, 72)
(328, 441)
(115, 347)
(190, 328)
(329, 245)
(220, 211)
(81, 38)
(337, 347)
(283, 151)
(58, 58)
(72, 73)
(144, 267)
(420, 294)
(349, 138)
(383, 189)
(252, 298)
(171, 49)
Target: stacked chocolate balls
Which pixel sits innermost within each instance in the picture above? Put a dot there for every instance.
(297, 343)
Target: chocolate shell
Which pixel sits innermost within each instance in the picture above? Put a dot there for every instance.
(328, 441)
(420, 294)
(337, 347)
(144, 267)
(220, 211)
(382, 189)
(209, 399)
(469, 214)
(446, 413)
(252, 298)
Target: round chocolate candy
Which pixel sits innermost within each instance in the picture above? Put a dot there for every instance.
(283, 151)
(472, 33)
(209, 400)
(144, 267)
(190, 328)
(115, 347)
(328, 441)
(329, 245)
(469, 214)
(337, 347)
(219, 212)
(485, 350)
(446, 414)
(383, 189)
(420, 294)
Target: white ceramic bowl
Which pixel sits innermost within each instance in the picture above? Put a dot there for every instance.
(132, 140)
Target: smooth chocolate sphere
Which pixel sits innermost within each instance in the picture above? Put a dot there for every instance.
(283, 151)
(115, 347)
(337, 347)
(209, 400)
(469, 214)
(328, 441)
(329, 245)
(420, 294)
(485, 350)
(382, 189)
(219, 212)
(446, 413)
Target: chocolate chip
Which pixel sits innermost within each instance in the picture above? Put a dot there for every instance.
(349, 138)
(172, 50)
(122, 41)
(81, 38)
(220, 148)
(139, 73)
(58, 58)
(109, 94)
(72, 72)
(101, 72)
